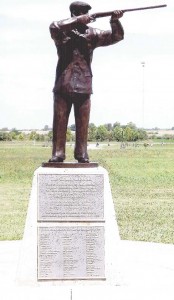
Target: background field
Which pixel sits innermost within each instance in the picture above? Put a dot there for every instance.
(141, 180)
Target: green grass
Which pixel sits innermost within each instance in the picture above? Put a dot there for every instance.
(141, 181)
(17, 165)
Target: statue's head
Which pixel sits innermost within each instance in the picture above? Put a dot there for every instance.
(78, 8)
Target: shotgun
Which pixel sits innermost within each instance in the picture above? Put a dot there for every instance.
(109, 13)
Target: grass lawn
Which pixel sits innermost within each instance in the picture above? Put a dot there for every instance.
(141, 181)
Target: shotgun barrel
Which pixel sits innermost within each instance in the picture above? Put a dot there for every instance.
(109, 13)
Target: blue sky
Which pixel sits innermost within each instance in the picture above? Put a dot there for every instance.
(28, 62)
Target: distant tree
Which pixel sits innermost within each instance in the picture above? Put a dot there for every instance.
(69, 135)
(4, 136)
(92, 132)
(101, 133)
(131, 125)
(13, 135)
(108, 126)
(37, 137)
(4, 129)
(46, 128)
(21, 136)
(73, 127)
(116, 124)
(123, 126)
(118, 134)
(1, 136)
(15, 131)
(156, 128)
(91, 125)
(50, 135)
(32, 135)
(168, 136)
(40, 137)
(142, 134)
(110, 136)
(129, 134)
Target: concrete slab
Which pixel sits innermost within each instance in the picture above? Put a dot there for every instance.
(147, 270)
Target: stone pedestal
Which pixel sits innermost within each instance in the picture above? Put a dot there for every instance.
(71, 235)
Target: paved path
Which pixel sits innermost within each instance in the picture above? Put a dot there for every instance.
(147, 269)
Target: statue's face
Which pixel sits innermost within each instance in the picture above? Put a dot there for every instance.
(80, 11)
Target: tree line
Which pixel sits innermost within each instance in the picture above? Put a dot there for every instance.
(116, 132)
(105, 132)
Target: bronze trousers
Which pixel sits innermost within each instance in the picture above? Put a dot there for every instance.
(62, 108)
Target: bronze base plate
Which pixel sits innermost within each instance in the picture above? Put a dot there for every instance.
(69, 165)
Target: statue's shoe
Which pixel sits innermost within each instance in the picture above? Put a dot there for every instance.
(83, 160)
(56, 159)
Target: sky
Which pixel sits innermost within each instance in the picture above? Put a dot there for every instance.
(123, 90)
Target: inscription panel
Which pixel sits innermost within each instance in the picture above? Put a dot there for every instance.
(71, 197)
(75, 252)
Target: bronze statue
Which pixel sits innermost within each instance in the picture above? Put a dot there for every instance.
(75, 42)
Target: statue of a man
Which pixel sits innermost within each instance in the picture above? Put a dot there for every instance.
(75, 42)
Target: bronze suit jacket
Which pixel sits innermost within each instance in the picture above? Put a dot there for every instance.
(75, 44)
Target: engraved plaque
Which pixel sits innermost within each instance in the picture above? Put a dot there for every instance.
(75, 252)
(70, 197)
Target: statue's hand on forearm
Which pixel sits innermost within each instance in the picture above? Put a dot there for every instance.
(117, 14)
